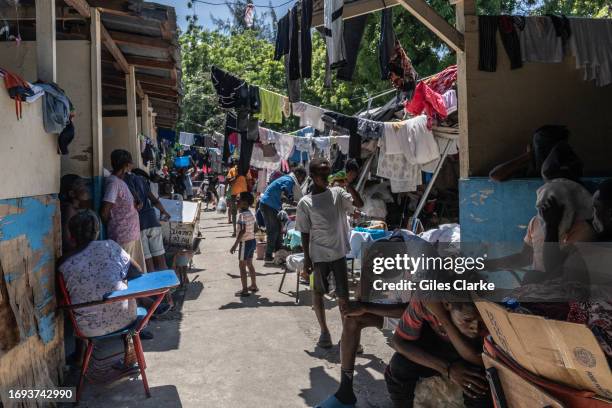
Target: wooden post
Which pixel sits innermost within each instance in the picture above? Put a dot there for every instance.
(467, 23)
(45, 40)
(133, 145)
(96, 107)
(144, 116)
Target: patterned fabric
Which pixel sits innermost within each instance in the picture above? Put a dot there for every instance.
(124, 224)
(246, 219)
(402, 73)
(100, 268)
(443, 81)
(412, 320)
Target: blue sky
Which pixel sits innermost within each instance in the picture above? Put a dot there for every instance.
(204, 11)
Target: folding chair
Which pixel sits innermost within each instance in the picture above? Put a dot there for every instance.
(155, 285)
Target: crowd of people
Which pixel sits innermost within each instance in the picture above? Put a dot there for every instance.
(431, 337)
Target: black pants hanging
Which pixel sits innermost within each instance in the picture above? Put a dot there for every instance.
(246, 151)
(306, 40)
(386, 42)
(353, 33)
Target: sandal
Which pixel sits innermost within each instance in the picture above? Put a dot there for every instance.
(243, 293)
(325, 340)
(254, 289)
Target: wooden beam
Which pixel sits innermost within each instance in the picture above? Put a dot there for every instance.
(150, 63)
(96, 106)
(432, 20)
(114, 50)
(132, 116)
(81, 6)
(356, 9)
(159, 90)
(45, 41)
(141, 40)
(142, 78)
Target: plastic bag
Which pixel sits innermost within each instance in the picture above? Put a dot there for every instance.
(222, 205)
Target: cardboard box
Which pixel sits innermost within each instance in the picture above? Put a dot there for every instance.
(564, 352)
(184, 224)
(520, 393)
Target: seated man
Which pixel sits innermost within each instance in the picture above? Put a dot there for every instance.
(94, 269)
(438, 338)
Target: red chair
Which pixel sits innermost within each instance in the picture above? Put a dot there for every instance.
(155, 285)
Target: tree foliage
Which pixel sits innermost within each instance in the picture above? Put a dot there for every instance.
(248, 53)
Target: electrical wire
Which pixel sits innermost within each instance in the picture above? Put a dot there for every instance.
(233, 4)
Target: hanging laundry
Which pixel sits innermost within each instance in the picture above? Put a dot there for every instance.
(294, 43)
(487, 43)
(450, 101)
(401, 72)
(510, 40)
(230, 89)
(403, 176)
(350, 124)
(353, 33)
(562, 27)
(293, 85)
(249, 14)
(304, 144)
(334, 32)
(306, 40)
(323, 145)
(57, 108)
(281, 47)
(246, 151)
(386, 43)
(342, 142)
(286, 107)
(267, 136)
(591, 44)
(444, 80)
(309, 115)
(231, 135)
(427, 101)
(370, 129)
(540, 42)
(284, 146)
(271, 106)
(260, 161)
(18, 89)
(186, 138)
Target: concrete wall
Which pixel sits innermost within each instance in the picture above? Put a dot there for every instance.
(115, 136)
(29, 161)
(74, 77)
(505, 107)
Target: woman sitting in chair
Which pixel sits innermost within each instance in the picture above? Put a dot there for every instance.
(92, 270)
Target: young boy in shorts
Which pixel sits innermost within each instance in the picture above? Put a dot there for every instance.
(245, 243)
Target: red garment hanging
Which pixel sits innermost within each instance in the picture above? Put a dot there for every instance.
(428, 101)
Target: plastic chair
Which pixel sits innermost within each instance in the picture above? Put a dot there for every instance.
(155, 285)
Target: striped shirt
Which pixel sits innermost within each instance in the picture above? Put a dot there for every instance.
(247, 219)
(412, 320)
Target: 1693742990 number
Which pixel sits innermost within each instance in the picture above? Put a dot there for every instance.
(59, 394)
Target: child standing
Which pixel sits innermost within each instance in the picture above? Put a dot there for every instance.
(245, 242)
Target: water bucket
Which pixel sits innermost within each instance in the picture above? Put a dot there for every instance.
(261, 250)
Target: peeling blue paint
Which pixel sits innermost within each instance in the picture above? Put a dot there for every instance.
(34, 220)
(46, 327)
(499, 212)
